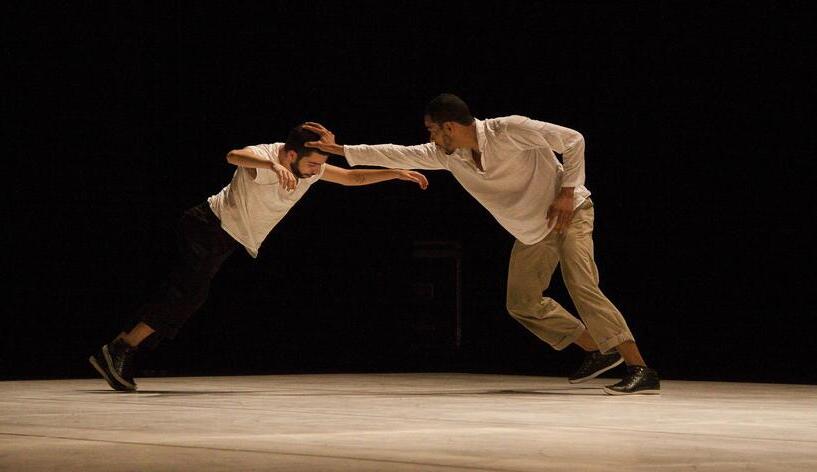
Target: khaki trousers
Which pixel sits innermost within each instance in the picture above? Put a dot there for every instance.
(529, 273)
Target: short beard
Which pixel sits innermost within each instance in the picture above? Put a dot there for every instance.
(295, 168)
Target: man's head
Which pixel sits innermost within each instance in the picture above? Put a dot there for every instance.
(448, 121)
(304, 162)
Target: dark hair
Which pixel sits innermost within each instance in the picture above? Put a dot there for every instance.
(296, 139)
(448, 107)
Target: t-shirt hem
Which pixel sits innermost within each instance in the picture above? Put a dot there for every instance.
(250, 251)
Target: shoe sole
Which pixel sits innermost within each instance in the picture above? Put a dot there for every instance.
(639, 392)
(598, 372)
(113, 383)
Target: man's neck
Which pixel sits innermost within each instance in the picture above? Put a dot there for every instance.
(473, 142)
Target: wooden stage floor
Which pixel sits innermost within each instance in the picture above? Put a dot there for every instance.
(402, 422)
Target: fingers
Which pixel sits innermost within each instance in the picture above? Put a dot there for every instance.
(422, 180)
(562, 218)
(415, 177)
(287, 180)
(315, 129)
(563, 221)
(315, 126)
(285, 185)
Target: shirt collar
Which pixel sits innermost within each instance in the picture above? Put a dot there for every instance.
(480, 126)
(464, 153)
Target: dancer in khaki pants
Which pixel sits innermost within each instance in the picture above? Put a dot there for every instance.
(529, 274)
(509, 165)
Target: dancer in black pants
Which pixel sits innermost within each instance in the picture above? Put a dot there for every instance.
(268, 181)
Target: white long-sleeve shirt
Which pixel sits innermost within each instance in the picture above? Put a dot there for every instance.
(521, 175)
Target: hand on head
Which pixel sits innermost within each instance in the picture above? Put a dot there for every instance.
(326, 140)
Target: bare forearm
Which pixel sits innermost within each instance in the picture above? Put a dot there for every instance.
(373, 176)
(336, 149)
(247, 158)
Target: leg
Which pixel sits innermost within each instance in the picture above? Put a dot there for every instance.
(203, 246)
(586, 342)
(529, 274)
(629, 351)
(604, 322)
(137, 334)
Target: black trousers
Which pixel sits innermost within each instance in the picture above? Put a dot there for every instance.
(202, 247)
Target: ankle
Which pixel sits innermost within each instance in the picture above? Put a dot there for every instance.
(124, 343)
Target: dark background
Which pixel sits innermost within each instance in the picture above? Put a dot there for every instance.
(117, 116)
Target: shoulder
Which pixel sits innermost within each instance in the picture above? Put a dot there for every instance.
(506, 126)
(266, 151)
(507, 122)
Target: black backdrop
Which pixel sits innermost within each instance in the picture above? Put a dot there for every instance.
(117, 116)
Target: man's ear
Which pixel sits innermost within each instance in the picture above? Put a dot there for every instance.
(288, 156)
(448, 127)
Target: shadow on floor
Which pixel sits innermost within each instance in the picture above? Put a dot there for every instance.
(587, 390)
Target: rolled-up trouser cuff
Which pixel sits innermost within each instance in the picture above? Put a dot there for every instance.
(610, 343)
(570, 338)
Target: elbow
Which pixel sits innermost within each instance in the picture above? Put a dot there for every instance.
(231, 157)
(576, 143)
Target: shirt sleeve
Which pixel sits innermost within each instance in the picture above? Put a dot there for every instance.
(524, 134)
(268, 152)
(318, 176)
(392, 156)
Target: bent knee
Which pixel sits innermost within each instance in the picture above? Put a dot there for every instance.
(520, 305)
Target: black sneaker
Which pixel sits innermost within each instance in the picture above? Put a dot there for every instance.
(639, 380)
(115, 362)
(595, 363)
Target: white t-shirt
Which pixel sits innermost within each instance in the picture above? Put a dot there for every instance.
(521, 175)
(250, 207)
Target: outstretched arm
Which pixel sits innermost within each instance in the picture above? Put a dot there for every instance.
(423, 156)
(343, 176)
